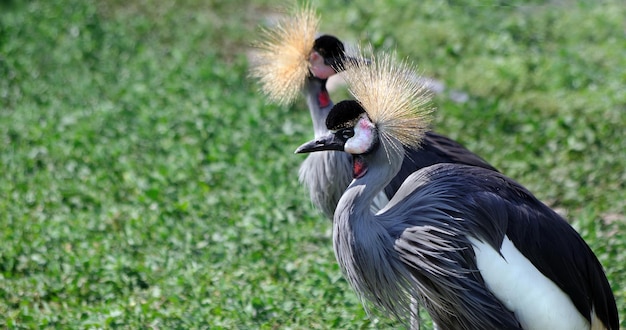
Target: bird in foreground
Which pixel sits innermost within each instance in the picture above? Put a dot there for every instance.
(476, 248)
(292, 60)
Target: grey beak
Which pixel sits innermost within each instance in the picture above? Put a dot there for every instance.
(328, 142)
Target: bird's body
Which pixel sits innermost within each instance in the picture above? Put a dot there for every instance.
(427, 253)
(477, 249)
(510, 281)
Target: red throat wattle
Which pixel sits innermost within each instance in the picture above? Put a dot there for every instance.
(359, 167)
(323, 99)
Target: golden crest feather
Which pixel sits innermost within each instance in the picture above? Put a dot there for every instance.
(395, 98)
(281, 62)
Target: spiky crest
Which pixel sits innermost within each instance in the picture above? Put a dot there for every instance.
(394, 97)
(281, 62)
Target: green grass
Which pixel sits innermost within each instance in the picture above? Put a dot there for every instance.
(147, 184)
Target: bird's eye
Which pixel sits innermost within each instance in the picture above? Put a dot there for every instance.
(347, 133)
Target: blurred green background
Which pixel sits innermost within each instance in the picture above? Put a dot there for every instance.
(148, 184)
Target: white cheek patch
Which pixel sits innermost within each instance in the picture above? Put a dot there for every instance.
(318, 68)
(363, 137)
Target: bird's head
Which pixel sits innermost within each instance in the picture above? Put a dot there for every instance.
(327, 56)
(350, 130)
(289, 52)
(391, 110)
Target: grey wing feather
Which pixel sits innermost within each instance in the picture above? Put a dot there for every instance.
(493, 205)
(433, 244)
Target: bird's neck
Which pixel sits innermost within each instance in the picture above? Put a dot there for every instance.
(382, 166)
(319, 103)
(362, 243)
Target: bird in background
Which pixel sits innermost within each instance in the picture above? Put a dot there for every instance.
(292, 60)
(473, 246)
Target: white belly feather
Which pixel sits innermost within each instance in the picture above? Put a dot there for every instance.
(537, 302)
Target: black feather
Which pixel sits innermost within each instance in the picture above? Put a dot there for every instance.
(540, 234)
(344, 114)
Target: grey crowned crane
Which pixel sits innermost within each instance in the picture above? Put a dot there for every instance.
(476, 248)
(292, 60)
